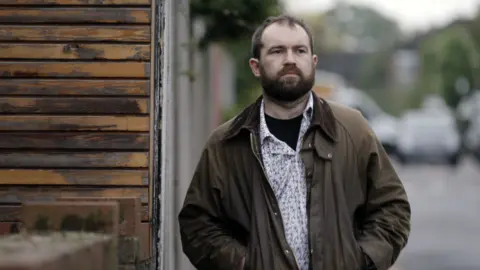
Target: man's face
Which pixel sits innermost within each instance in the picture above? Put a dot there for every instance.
(287, 66)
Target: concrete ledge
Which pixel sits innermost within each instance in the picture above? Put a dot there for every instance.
(55, 251)
(96, 217)
(130, 210)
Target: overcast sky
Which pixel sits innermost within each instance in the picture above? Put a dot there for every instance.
(411, 14)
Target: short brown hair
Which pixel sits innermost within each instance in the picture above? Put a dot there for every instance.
(290, 20)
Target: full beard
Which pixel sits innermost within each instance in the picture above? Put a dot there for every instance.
(287, 89)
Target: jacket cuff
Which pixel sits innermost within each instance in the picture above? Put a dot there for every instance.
(368, 262)
(379, 254)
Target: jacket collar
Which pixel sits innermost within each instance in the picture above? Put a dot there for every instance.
(249, 119)
(307, 116)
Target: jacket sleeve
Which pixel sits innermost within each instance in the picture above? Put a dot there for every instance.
(205, 238)
(386, 224)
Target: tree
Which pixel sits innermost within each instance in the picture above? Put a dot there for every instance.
(449, 58)
(474, 28)
(359, 28)
(228, 21)
(366, 36)
(232, 23)
(317, 27)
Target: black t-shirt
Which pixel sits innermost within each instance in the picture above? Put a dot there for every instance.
(285, 130)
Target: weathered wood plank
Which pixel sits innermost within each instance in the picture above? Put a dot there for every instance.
(75, 2)
(64, 140)
(74, 160)
(73, 123)
(74, 105)
(75, 33)
(75, 51)
(129, 211)
(18, 194)
(63, 177)
(11, 213)
(58, 250)
(145, 213)
(145, 241)
(22, 15)
(59, 87)
(74, 69)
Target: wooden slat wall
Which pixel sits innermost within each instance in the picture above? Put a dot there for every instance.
(74, 100)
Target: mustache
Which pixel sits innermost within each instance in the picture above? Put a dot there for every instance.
(290, 70)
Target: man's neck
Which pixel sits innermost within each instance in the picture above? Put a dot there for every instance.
(285, 110)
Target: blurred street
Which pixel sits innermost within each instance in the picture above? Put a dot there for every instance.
(445, 217)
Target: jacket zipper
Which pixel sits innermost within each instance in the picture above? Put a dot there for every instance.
(253, 144)
(309, 186)
(308, 223)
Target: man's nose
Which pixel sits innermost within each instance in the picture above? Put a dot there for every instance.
(290, 57)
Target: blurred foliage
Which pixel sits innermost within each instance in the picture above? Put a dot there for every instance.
(246, 84)
(359, 28)
(232, 24)
(228, 20)
(249, 97)
(374, 72)
(474, 28)
(446, 57)
(317, 27)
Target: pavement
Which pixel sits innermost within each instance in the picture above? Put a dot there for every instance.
(445, 216)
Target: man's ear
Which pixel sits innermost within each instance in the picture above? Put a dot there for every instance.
(315, 60)
(254, 66)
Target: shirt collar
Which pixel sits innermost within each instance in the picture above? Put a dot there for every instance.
(265, 132)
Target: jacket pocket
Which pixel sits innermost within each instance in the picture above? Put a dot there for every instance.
(360, 257)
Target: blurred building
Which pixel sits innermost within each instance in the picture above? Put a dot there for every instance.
(405, 63)
(345, 64)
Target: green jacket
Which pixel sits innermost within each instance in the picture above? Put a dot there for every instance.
(356, 203)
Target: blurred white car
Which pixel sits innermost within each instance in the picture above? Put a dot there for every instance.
(428, 134)
(383, 124)
(385, 128)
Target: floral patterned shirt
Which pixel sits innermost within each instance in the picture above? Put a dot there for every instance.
(286, 174)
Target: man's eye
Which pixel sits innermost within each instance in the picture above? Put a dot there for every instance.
(302, 50)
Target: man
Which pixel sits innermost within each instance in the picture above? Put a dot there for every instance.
(293, 182)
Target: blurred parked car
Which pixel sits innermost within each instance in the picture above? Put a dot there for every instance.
(428, 134)
(383, 124)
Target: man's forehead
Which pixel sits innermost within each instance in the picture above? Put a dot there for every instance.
(284, 34)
